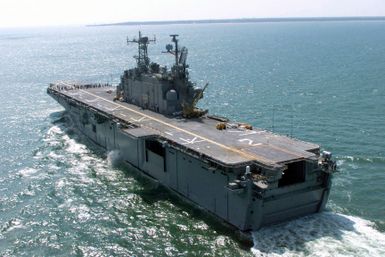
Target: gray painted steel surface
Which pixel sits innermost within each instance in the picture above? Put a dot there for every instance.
(245, 176)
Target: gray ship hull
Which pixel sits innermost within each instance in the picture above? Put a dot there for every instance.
(191, 161)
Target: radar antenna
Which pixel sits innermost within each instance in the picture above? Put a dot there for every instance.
(176, 52)
(180, 66)
(142, 59)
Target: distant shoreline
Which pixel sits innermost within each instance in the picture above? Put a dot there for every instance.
(243, 20)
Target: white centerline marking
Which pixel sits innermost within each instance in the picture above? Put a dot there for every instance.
(191, 141)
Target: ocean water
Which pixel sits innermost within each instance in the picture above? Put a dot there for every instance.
(322, 82)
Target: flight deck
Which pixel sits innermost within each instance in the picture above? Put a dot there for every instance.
(231, 146)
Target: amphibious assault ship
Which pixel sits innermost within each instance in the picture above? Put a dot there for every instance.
(245, 176)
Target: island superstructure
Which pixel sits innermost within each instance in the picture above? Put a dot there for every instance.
(245, 176)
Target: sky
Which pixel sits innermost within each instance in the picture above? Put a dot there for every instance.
(26, 13)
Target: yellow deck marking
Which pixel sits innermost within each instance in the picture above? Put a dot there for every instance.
(249, 156)
(258, 158)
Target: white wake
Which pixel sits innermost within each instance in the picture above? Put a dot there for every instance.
(325, 234)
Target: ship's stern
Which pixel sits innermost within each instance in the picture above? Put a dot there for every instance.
(296, 189)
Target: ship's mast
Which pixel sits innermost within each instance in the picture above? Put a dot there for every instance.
(142, 59)
(176, 52)
(180, 66)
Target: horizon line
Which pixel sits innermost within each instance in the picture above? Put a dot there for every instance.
(242, 20)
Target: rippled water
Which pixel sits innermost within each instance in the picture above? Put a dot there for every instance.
(61, 195)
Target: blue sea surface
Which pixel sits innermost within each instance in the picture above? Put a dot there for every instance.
(322, 82)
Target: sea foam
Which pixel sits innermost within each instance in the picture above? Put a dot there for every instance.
(324, 234)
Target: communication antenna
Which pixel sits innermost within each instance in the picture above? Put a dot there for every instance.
(292, 122)
(273, 118)
(170, 47)
(176, 52)
(180, 66)
(142, 59)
